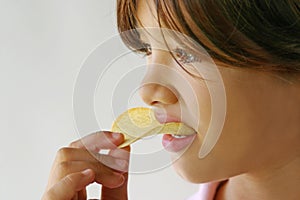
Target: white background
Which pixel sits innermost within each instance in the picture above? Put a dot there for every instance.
(42, 46)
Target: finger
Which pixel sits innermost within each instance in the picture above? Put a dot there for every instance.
(103, 174)
(123, 153)
(75, 197)
(82, 194)
(67, 187)
(73, 154)
(99, 140)
(118, 193)
(67, 154)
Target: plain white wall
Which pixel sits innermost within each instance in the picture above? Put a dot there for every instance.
(42, 46)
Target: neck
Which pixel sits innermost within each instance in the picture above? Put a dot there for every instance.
(276, 183)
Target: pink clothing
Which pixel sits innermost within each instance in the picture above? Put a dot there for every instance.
(207, 191)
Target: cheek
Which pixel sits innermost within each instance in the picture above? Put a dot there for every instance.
(252, 131)
(198, 105)
(230, 155)
(186, 164)
(221, 163)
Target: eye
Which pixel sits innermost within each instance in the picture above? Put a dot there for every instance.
(184, 57)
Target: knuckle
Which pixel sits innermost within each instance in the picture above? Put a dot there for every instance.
(105, 135)
(64, 153)
(73, 144)
(64, 167)
(68, 180)
(99, 134)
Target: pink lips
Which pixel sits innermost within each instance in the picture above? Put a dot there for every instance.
(173, 144)
(163, 118)
(169, 142)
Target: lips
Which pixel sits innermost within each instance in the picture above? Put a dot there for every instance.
(170, 142)
(175, 145)
(163, 118)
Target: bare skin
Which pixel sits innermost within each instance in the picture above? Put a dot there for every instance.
(258, 152)
(80, 164)
(259, 148)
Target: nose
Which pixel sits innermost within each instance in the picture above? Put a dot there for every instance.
(152, 90)
(156, 94)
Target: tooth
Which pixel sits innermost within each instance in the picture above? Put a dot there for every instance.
(178, 136)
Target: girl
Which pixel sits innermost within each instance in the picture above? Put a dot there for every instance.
(256, 46)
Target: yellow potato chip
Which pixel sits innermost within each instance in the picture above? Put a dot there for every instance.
(140, 122)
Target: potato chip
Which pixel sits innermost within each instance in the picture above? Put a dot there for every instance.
(137, 123)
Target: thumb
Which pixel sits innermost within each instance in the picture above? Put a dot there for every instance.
(119, 193)
(68, 186)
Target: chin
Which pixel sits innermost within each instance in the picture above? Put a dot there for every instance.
(195, 170)
(189, 176)
(189, 172)
(196, 176)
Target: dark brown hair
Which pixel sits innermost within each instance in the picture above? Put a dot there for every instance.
(258, 34)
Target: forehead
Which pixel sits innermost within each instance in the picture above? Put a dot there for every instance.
(147, 21)
(157, 33)
(148, 25)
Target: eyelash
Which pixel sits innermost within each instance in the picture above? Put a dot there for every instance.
(180, 54)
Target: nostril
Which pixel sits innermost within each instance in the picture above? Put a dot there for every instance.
(154, 103)
(146, 93)
(154, 94)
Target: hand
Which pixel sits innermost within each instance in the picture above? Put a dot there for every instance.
(70, 185)
(69, 175)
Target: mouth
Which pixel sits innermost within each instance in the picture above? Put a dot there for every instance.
(174, 142)
(140, 122)
(163, 118)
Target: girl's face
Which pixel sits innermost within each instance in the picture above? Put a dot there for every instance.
(259, 130)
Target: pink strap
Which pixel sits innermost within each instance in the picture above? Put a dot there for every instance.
(207, 191)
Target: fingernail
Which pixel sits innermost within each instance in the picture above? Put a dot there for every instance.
(121, 178)
(116, 135)
(122, 163)
(87, 172)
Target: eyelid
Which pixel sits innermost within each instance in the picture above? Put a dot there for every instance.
(189, 57)
(182, 55)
